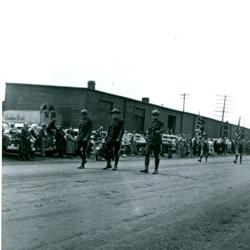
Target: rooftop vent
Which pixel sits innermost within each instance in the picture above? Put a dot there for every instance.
(145, 99)
(91, 85)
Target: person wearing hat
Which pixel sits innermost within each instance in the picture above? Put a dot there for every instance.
(238, 146)
(82, 139)
(114, 138)
(34, 134)
(13, 130)
(25, 143)
(154, 141)
(60, 140)
(42, 138)
(204, 147)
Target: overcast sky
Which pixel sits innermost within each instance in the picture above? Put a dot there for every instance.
(157, 49)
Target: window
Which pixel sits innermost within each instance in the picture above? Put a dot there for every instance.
(139, 119)
(105, 106)
(172, 123)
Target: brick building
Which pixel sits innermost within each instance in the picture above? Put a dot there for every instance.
(69, 101)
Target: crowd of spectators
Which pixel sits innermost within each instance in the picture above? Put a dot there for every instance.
(187, 146)
(61, 143)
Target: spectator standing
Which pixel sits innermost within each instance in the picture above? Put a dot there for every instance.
(42, 138)
(60, 141)
(70, 144)
(25, 144)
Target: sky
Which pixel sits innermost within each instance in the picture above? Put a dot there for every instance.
(156, 49)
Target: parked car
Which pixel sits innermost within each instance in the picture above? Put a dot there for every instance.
(138, 140)
(11, 138)
(168, 143)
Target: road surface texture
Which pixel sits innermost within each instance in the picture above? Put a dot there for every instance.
(190, 205)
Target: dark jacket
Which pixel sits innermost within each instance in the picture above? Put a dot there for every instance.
(155, 130)
(25, 145)
(116, 130)
(85, 128)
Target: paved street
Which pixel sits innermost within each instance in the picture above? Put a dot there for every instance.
(190, 205)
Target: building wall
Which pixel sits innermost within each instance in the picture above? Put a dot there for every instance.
(212, 127)
(188, 125)
(69, 101)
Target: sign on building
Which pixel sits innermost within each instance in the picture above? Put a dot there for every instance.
(21, 116)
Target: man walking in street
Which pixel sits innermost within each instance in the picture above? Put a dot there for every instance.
(83, 137)
(114, 138)
(154, 141)
(204, 147)
(238, 146)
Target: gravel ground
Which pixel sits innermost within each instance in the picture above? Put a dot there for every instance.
(51, 204)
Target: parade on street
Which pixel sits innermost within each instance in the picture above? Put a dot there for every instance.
(125, 125)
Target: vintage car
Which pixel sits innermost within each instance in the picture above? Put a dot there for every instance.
(11, 139)
(136, 142)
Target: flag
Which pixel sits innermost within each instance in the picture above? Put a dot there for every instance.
(199, 127)
(238, 131)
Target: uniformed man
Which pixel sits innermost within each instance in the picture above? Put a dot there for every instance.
(204, 147)
(83, 137)
(154, 141)
(238, 146)
(114, 138)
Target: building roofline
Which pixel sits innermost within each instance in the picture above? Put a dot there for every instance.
(92, 90)
(114, 95)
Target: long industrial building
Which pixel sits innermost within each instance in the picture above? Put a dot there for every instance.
(69, 101)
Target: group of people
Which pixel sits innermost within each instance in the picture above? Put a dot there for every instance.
(201, 144)
(34, 138)
(114, 138)
(238, 146)
(185, 145)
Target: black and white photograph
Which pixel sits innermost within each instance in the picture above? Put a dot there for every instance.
(125, 125)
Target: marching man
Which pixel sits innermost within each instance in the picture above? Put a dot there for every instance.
(114, 138)
(154, 141)
(238, 146)
(204, 147)
(83, 137)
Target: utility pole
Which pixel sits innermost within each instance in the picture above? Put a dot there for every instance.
(222, 109)
(183, 97)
